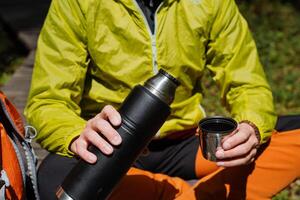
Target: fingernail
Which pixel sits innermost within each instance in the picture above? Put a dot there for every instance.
(220, 154)
(116, 140)
(220, 164)
(108, 149)
(91, 158)
(116, 120)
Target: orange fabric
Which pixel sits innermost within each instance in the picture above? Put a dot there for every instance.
(11, 166)
(276, 166)
(14, 114)
(203, 166)
(142, 185)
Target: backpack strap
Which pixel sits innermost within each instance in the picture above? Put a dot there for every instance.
(7, 120)
(31, 164)
(14, 135)
(21, 141)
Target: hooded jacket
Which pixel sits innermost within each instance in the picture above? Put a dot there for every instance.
(93, 52)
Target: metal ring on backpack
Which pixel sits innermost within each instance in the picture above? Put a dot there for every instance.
(30, 133)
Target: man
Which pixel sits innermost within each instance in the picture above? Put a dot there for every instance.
(92, 53)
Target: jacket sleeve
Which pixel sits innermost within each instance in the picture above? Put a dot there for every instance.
(58, 77)
(233, 60)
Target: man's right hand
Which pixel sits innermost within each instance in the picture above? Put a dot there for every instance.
(96, 130)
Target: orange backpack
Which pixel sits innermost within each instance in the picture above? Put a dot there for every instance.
(17, 159)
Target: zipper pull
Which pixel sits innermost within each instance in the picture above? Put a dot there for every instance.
(151, 3)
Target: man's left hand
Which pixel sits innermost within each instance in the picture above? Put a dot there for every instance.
(239, 148)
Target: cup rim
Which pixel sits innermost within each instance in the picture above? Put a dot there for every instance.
(217, 119)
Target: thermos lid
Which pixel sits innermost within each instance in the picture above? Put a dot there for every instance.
(169, 76)
(163, 86)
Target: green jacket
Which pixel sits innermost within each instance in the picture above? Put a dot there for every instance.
(93, 52)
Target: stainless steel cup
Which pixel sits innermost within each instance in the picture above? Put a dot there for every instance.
(212, 132)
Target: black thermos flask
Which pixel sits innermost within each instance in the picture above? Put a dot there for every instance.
(143, 112)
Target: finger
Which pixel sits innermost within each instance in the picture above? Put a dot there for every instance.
(254, 141)
(110, 113)
(230, 135)
(105, 128)
(82, 152)
(95, 139)
(240, 137)
(239, 161)
(240, 150)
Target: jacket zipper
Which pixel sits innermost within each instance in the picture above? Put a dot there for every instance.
(152, 36)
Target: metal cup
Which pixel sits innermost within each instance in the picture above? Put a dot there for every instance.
(212, 131)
